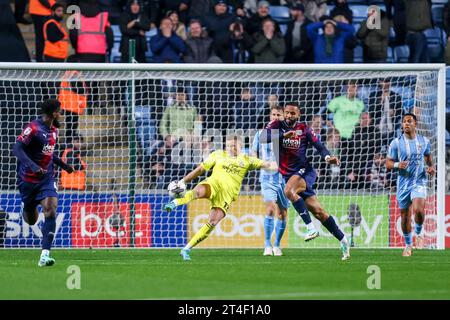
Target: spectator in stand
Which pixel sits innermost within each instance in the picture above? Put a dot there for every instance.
(114, 9)
(218, 26)
(56, 45)
(246, 111)
(418, 19)
(329, 46)
(199, 46)
(167, 47)
(254, 24)
(133, 25)
(160, 159)
(178, 119)
(95, 37)
(331, 173)
(385, 107)
(240, 43)
(180, 6)
(72, 156)
(298, 45)
(365, 137)
(72, 95)
(346, 111)
(19, 11)
(199, 9)
(315, 9)
(269, 45)
(342, 12)
(375, 41)
(396, 11)
(447, 32)
(12, 45)
(178, 27)
(378, 178)
(40, 11)
(316, 125)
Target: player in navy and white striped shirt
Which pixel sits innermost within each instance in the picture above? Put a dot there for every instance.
(406, 155)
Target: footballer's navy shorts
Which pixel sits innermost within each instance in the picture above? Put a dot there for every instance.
(309, 175)
(33, 193)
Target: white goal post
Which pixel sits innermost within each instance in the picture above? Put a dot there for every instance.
(143, 125)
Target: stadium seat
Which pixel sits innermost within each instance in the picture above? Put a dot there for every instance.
(358, 54)
(359, 13)
(330, 8)
(437, 12)
(356, 26)
(390, 55)
(116, 32)
(401, 54)
(283, 28)
(435, 44)
(280, 14)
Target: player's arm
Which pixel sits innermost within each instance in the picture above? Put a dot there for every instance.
(62, 164)
(269, 166)
(392, 161)
(197, 172)
(323, 151)
(431, 170)
(19, 152)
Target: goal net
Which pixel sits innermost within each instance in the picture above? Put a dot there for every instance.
(143, 126)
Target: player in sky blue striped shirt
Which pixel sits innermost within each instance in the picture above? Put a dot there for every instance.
(406, 155)
(272, 189)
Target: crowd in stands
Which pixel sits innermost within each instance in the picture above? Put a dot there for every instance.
(241, 31)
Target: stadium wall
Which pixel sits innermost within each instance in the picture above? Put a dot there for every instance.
(91, 221)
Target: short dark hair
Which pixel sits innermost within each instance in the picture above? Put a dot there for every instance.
(277, 107)
(294, 104)
(56, 6)
(411, 115)
(49, 106)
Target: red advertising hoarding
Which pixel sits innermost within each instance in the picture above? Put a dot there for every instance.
(100, 224)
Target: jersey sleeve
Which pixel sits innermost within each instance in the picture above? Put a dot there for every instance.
(332, 106)
(315, 141)
(27, 134)
(393, 150)
(255, 144)
(254, 163)
(210, 162)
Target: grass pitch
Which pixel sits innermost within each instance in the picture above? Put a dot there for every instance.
(225, 274)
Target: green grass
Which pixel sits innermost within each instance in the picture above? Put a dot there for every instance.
(225, 274)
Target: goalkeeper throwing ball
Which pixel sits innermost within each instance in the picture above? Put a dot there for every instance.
(221, 187)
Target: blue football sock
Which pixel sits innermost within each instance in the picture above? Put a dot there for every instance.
(48, 232)
(418, 228)
(332, 227)
(268, 229)
(280, 226)
(408, 239)
(300, 207)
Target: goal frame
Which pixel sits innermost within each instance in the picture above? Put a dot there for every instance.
(441, 99)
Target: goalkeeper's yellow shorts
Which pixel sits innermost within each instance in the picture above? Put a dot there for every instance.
(219, 198)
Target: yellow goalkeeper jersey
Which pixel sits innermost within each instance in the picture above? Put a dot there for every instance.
(228, 172)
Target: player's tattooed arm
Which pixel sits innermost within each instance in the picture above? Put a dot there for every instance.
(197, 172)
(431, 169)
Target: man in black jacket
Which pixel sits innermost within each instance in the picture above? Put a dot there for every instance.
(199, 46)
(298, 45)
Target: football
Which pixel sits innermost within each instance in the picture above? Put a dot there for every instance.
(176, 189)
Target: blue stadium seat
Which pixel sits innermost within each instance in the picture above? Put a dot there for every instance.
(356, 26)
(330, 8)
(358, 54)
(390, 55)
(435, 44)
(401, 54)
(359, 13)
(116, 32)
(280, 14)
(283, 28)
(437, 12)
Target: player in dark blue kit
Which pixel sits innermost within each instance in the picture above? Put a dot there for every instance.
(291, 140)
(34, 149)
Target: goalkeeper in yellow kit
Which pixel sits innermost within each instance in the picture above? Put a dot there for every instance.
(221, 187)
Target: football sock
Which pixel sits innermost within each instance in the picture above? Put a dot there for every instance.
(408, 239)
(331, 226)
(280, 226)
(188, 197)
(201, 235)
(48, 232)
(300, 207)
(418, 228)
(268, 229)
